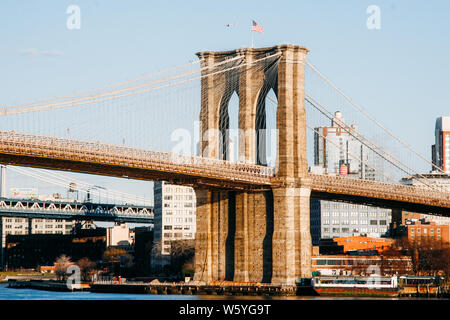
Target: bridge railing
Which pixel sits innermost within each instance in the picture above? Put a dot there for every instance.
(361, 187)
(63, 148)
(13, 205)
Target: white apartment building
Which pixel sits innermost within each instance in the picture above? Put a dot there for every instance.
(175, 214)
(338, 152)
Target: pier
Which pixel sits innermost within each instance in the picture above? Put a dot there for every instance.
(238, 289)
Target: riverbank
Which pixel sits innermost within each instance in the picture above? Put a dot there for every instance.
(195, 289)
(48, 285)
(6, 276)
(192, 289)
(156, 288)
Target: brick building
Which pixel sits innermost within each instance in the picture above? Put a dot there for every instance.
(361, 265)
(427, 231)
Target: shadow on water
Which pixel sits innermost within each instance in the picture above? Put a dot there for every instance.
(32, 294)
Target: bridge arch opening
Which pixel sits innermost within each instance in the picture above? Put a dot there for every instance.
(266, 126)
(228, 127)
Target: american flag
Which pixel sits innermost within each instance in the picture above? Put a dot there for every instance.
(256, 27)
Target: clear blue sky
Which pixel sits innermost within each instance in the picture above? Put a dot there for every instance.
(398, 73)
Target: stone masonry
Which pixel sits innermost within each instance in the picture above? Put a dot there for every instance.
(256, 236)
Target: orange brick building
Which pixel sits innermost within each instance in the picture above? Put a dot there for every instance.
(357, 243)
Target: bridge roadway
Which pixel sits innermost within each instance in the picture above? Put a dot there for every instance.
(120, 161)
(36, 209)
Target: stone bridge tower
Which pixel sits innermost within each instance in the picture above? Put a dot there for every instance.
(255, 235)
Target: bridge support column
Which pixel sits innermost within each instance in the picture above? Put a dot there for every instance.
(302, 222)
(234, 236)
(253, 240)
(291, 236)
(30, 225)
(212, 258)
(2, 243)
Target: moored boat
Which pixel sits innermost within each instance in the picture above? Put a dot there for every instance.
(374, 286)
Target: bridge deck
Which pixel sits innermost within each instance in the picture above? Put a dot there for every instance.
(120, 161)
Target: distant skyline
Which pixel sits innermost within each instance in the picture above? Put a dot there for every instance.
(398, 73)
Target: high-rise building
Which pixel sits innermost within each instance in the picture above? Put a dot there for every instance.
(337, 151)
(440, 151)
(175, 217)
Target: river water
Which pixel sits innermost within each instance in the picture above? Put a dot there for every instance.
(32, 294)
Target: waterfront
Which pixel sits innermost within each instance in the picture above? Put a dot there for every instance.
(32, 294)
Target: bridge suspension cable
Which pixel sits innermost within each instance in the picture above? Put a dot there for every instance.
(369, 144)
(361, 110)
(341, 148)
(61, 181)
(153, 75)
(119, 93)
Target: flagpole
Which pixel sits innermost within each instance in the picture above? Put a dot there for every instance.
(251, 31)
(252, 37)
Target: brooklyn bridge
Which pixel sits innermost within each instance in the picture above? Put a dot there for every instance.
(253, 221)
